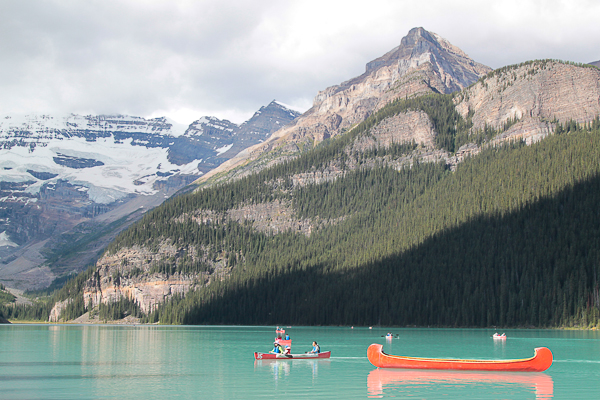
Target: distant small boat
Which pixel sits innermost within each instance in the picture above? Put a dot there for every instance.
(541, 361)
(280, 338)
(301, 356)
(498, 336)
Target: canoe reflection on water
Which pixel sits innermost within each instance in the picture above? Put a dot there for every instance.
(281, 368)
(381, 379)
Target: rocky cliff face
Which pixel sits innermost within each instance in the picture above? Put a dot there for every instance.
(58, 172)
(129, 273)
(534, 95)
(424, 62)
(58, 309)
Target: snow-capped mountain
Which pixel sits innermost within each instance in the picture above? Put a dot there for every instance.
(109, 157)
(59, 171)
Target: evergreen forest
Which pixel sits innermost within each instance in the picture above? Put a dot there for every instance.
(511, 238)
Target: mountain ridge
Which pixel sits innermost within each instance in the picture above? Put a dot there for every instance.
(423, 63)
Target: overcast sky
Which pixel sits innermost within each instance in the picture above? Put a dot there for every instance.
(187, 59)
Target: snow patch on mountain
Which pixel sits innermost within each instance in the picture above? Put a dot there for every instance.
(41, 125)
(223, 149)
(289, 107)
(5, 240)
(123, 166)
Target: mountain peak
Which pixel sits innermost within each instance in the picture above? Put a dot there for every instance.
(420, 46)
(279, 104)
(275, 112)
(419, 35)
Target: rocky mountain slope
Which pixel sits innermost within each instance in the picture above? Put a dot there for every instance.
(74, 182)
(424, 62)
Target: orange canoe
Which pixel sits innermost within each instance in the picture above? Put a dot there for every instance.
(541, 361)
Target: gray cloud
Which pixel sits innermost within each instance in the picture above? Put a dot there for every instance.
(225, 58)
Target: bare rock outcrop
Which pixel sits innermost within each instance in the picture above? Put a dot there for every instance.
(529, 129)
(128, 274)
(536, 94)
(147, 292)
(58, 309)
(272, 218)
(412, 126)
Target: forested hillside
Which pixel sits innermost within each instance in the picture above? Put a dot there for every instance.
(510, 238)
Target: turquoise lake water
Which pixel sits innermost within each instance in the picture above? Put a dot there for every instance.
(216, 362)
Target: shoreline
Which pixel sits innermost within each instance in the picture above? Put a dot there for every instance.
(135, 321)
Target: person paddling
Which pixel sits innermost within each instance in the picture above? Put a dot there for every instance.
(316, 349)
(277, 348)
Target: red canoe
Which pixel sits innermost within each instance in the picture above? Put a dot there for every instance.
(305, 356)
(541, 361)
